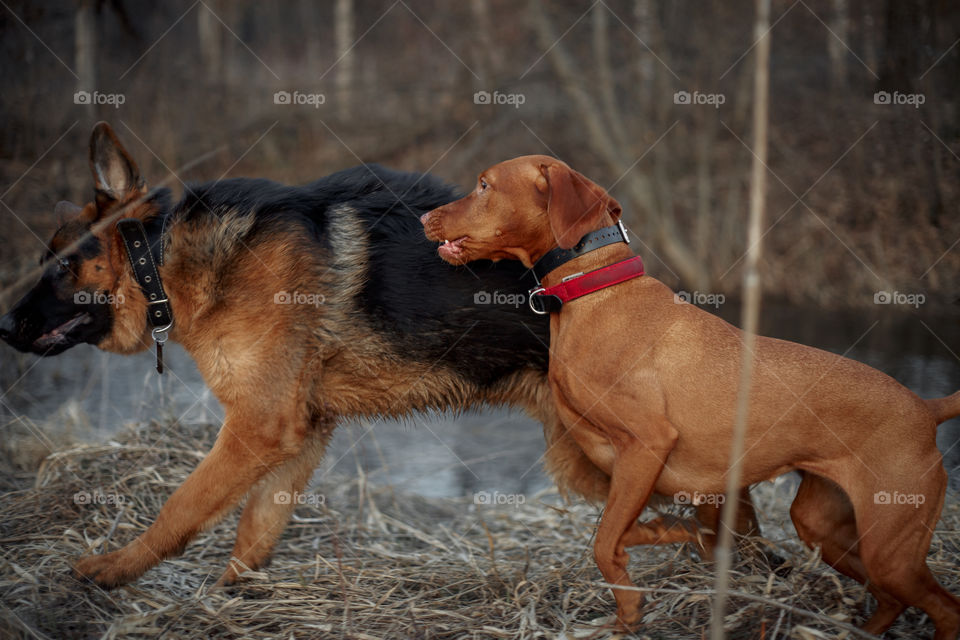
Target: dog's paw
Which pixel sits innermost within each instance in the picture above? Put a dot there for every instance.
(231, 582)
(233, 576)
(629, 621)
(238, 572)
(629, 610)
(107, 570)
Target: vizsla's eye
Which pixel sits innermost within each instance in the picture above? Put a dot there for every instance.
(483, 184)
(63, 265)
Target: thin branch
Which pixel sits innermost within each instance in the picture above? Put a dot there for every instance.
(751, 309)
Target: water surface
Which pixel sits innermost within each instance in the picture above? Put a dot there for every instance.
(93, 394)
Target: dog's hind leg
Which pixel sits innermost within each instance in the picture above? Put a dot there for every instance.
(251, 441)
(824, 516)
(896, 526)
(271, 502)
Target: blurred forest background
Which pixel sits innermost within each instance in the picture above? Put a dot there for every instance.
(864, 190)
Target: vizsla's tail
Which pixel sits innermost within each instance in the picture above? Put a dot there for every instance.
(944, 408)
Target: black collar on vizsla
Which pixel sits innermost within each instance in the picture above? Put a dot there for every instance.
(647, 386)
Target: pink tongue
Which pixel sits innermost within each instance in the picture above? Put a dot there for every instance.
(451, 249)
(59, 333)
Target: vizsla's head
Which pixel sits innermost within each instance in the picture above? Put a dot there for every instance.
(519, 210)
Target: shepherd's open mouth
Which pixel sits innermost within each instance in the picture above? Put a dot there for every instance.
(59, 334)
(452, 248)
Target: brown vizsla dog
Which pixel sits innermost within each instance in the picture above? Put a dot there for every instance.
(647, 385)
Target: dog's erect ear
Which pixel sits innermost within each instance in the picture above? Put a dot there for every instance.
(115, 174)
(576, 204)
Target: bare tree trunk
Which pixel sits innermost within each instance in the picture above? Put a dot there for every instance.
(643, 17)
(343, 26)
(483, 43)
(900, 64)
(210, 34)
(868, 29)
(839, 23)
(741, 101)
(311, 19)
(85, 51)
(605, 83)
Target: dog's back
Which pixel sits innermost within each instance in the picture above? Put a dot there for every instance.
(357, 246)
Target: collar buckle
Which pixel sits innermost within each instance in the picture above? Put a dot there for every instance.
(530, 301)
(589, 242)
(159, 334)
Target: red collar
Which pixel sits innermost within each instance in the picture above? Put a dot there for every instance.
(551, 299)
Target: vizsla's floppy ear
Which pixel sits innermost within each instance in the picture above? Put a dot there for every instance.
(115, 174)
(576, 204)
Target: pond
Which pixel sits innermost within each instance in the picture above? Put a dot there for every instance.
(89, 395)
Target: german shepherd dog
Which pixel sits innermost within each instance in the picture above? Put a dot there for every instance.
(396, 332)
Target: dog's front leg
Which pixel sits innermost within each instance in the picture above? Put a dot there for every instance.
(249, 444)
(265, 515)
(638, 465)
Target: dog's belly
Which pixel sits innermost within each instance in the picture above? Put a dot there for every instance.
(678, 476)
(681, 473)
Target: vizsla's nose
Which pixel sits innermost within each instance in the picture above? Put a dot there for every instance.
(425, 217)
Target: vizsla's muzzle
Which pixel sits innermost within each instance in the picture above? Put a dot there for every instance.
(450, 250)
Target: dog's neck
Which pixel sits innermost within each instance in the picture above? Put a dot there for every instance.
(588, 262)
(549, 256)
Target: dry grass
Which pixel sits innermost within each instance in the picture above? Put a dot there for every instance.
(372, 562)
